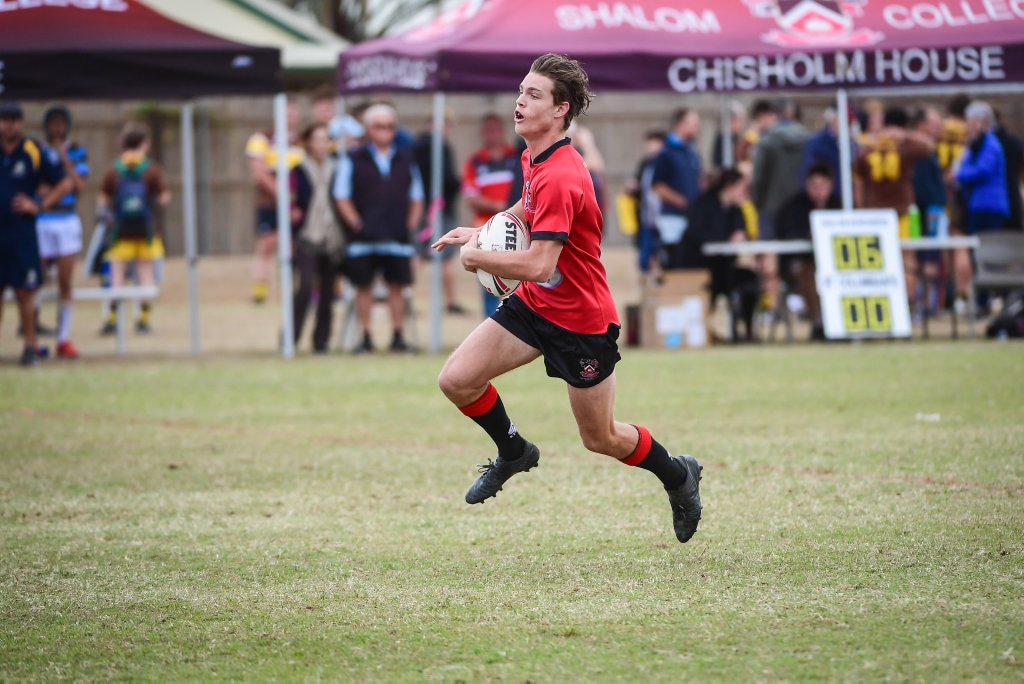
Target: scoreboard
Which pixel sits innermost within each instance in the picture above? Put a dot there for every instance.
(860, 274)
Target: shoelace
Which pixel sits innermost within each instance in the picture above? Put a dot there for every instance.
(487, 467)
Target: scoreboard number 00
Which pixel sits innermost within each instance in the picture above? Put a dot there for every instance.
(867, 314)
(857, 253)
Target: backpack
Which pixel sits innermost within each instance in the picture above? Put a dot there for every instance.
(133, 216)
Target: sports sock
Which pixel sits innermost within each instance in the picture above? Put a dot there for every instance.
(144, 315)
(489, 413)
(63, 321)
(112, 315)
(652, 456)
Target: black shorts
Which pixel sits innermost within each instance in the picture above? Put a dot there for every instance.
(266, 221)
(581, 360)
(19, 263)
(396, 270)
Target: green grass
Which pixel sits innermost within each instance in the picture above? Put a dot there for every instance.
(260, 519)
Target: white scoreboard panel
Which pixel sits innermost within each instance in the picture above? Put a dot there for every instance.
(860, 274)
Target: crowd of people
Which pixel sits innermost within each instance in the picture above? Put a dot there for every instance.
(41, 180)
(360, 212)
(957, 172)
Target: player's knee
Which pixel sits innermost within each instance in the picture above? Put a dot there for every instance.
(598, 441)
(448, 381)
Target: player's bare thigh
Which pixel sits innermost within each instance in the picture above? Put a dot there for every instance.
(489, 351)
(594, 410)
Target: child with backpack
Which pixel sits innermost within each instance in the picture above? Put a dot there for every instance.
(131, 192)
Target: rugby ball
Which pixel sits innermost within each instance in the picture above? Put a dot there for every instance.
(503, 232)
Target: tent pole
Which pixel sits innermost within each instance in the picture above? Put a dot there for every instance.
(726, 125)
(284, 225)
(188, 199)
(434, 212)
(845, 163)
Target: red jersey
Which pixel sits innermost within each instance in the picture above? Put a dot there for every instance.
(490, 178)
(560, 204)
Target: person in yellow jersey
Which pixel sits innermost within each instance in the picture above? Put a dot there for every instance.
(949, 149)
(885, 170)
(261, 153)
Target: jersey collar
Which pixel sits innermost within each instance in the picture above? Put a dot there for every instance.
(550, 151)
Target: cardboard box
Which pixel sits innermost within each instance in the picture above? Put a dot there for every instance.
(673, 310)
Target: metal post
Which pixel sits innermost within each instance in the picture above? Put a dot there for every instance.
(845, 163)
(434, 213)
(188, 198)
(284, 225)
(727, 151)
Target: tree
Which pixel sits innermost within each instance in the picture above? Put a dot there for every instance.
(359, 20)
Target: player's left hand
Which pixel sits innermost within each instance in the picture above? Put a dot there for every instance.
(23, 204)
(456, 236)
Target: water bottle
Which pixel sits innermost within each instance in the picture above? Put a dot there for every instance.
(914, 221)
(938, 222)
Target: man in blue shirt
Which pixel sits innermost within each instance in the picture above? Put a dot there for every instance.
(676, 181)
(379, 193)
(23, 167)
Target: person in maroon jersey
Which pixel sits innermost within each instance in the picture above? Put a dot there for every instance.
(563, 310)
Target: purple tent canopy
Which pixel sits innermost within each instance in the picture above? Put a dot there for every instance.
(704, 46)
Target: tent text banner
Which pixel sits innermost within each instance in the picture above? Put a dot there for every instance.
(704, 46)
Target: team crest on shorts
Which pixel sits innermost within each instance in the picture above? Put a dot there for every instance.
(588, 369)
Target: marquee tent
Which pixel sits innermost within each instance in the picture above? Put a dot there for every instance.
(703, 46)
(82, 49)
(121, 49)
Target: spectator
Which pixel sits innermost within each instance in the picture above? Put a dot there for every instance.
(319, 243)
(60, 228)
(1013, 151)
(777, 159)
(324, 108)
(872, 118)
(23, 169)
(950, 149)
(261, 151)
(981, 176)
(676, 181)
(981, 172)
(583, 140)
(487, 179)
(648, 202)
(129, 195)
(716, 216)
(379, 193)
(930, 197)
(794, 222)
(763, 116)
(823, 148)
(885, 171)
(776, 177)
(450, 183)
(737, 128)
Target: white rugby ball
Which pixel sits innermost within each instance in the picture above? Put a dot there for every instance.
(503, 232)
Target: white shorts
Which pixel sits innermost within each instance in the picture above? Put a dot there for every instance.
(59, 235)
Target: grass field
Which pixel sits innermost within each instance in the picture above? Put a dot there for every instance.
(257, 519)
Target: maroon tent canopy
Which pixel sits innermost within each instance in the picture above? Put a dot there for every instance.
(120, 49)
(704, 45)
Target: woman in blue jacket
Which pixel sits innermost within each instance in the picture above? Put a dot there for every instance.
(982, 172)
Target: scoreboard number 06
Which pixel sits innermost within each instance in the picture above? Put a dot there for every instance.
(857, 253)
(867, 314)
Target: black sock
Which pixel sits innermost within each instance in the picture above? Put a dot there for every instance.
(489, 413)
(652, 456)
